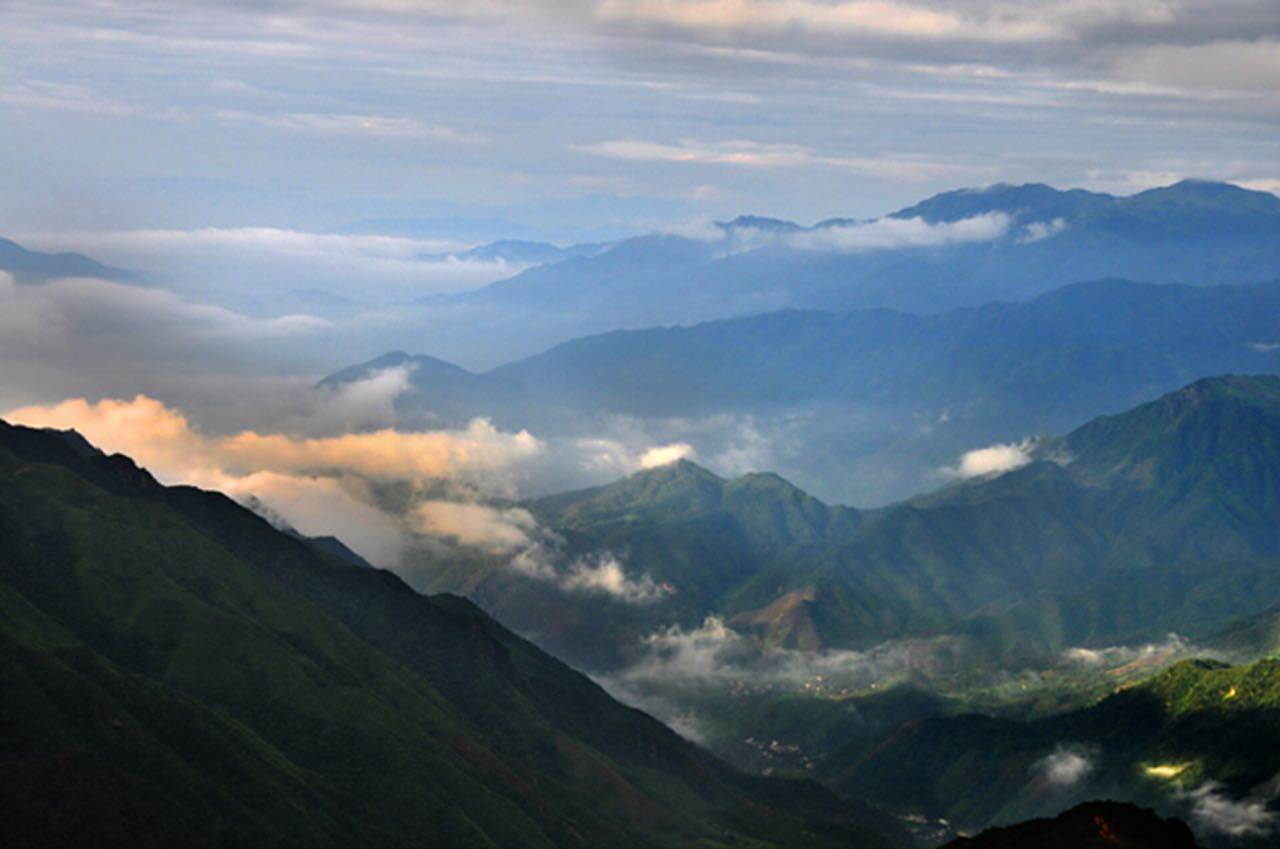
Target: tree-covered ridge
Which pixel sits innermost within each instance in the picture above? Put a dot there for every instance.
(195, 677)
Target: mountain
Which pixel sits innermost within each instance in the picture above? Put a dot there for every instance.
(698, 537)
(1031, 239)
(1155, 520)
(178, 672)
(518, 252)
(1198, 740)
(34, 266)
(866, 406)
(1093, 825)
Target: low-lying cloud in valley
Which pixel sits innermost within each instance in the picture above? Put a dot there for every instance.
(1214, 809)
(1066, 766)
(992, 460)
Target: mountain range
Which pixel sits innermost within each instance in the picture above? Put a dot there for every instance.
(1199, 740)
(34, 266)
(866, 406)
(178, 672)
(1155, 520)
(960, 248)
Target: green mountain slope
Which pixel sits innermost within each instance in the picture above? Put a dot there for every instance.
(1195, 731)
(1162, 518)
(177, 672)
(699, 537)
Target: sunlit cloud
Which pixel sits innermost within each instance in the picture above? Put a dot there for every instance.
(992, 460)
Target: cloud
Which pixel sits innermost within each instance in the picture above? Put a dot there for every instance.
(714, 655)
(1172, 648)
(896, 233)
(360, 404)
(745, 153)
(601, 573)
(86, 307)
(379, 126)
(1038, 230)
(992, 460)
(492, 529)
(1242, 64)
(604, 574)
(859, 18)
(270, 261)
(1238, 818)
(320, 506)
(665, 455)
(1065, 766)
(317, 484)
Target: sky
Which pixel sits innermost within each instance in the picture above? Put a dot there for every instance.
(294, 182)
(576, 119)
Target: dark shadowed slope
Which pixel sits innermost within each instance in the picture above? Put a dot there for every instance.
(1199, 730)
(177, 672)
(1093, 825)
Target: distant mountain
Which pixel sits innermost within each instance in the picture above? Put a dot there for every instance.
(35, 266)
(865, 406)
(1159, 519)
(1036, 238)
(178, 672)
(517, 252)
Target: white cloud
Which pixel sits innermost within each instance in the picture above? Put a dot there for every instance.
(379, 126)
(266, 261)
(493, 529)
(85, 308)
(752, 154)
(665, 455)
(601, 573)
(1065, 766)
(316, 484)
(1170, 649)
(714, 655)
(1038, 230)
(992, 460)
(1238, 818)
(895, 233)
(604, 574)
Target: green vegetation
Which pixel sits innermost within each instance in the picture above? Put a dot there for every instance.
(177, 672)
(1195, 723)
(1157, 520)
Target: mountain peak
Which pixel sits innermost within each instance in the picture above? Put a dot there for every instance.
(760, 222)
(1203, 196)
(1221, 428)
